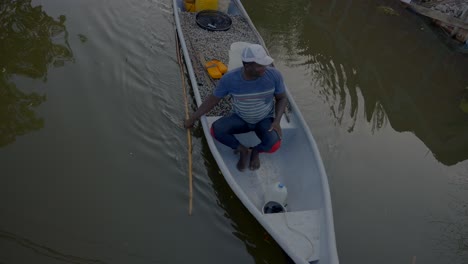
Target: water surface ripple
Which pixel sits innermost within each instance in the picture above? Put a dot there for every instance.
(93, 158)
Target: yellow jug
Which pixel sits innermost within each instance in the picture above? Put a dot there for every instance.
(189, 5)
(206, 4)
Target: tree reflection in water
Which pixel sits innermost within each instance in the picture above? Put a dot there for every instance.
(30, 42)
(406, 77)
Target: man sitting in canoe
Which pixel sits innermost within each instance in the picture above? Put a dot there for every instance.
(254, 89)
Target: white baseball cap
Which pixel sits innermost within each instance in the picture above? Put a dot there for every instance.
(256, 53)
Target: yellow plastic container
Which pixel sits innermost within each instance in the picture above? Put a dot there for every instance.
(189, 5)
(201, 5)
(213, 70)
(221, 67)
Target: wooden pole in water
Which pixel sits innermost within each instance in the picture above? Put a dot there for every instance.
(189, 135)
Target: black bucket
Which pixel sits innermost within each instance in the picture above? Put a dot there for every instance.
(273, 208)
(213, 20)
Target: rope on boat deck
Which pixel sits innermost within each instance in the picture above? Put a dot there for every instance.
(189, 135)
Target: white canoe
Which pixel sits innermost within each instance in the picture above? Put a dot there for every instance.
(305, 230)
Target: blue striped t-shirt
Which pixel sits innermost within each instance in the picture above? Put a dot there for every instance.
(253, 100)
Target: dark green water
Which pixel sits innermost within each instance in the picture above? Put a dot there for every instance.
(93, 163)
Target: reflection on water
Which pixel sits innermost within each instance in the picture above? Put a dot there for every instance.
(410, 80)
(16, 114)
(42, 250)
(30, 42)
(386, 70)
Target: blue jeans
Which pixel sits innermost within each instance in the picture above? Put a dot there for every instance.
(226, 127)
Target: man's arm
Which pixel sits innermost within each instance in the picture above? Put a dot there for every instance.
(204, 108)
(280, 106)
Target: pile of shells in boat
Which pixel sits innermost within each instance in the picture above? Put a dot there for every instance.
(207, 45)
(454, 8)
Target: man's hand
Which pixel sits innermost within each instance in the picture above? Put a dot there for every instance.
(188, 123)
(276, 126)
(280, 106)
(205, 107)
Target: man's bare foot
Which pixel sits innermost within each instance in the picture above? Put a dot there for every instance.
(244, 156)
(254, 160)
